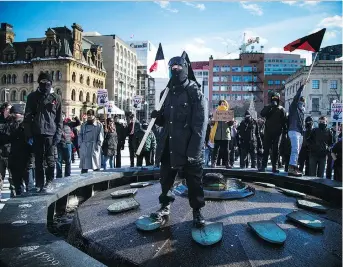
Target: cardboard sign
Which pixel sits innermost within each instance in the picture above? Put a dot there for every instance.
(336, 112)
(102, 97)
(223, 115)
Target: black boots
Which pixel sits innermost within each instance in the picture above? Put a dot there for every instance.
(198, 219)
(294, 171)
(163, 211)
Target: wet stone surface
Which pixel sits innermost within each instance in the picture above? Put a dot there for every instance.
(115, 241)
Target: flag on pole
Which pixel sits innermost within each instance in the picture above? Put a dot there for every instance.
(132, 35)
(310, 42)
(159, 57)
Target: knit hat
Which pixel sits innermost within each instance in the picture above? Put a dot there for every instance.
(44, 76)
(17, 109)
(91, 112)
(247, 113)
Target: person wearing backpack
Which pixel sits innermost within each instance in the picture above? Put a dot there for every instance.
(43, 123)
(64, 149)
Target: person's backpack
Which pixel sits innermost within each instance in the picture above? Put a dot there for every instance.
(67, 134)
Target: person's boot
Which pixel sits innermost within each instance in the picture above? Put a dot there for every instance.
(160, 213)
(262, 169)
(213, 164)
(198, 219)
(275, 170)
(292, 171)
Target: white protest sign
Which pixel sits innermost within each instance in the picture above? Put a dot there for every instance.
(102, 97)
(336, 112)
(137, 102)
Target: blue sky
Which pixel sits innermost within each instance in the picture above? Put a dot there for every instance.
(200, 28)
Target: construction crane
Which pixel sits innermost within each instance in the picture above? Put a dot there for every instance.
(246, 44)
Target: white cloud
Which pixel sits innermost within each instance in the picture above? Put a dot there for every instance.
(199, 40)
(252, 8)
(166, 5)
(291, 3)
(335, 21)
(198, 6)
(301, 3)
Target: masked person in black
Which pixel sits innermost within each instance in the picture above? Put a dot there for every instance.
(274, 126)
(304, 160)
(249, 140)
(43, 123)
(183, 118)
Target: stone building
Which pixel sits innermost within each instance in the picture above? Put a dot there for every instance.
(74, 62)
(324, 87)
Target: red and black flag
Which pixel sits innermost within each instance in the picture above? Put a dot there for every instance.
(310, 42)
(159, 57)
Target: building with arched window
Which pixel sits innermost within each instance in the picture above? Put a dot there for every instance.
(72, 61)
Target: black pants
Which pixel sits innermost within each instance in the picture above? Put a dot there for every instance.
(118, 157)
(259, 160)
(232, 144)
(19, 177)
(329, 167)
(317, 166)
(245, 151)
(132, 151)
(146, 155)
(224, 145)
(44, 151)
(337, 169)
(271, 141)
(192, 173)
(304, 161)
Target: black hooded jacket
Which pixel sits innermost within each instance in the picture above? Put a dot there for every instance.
(275, 119)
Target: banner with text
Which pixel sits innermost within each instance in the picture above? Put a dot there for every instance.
(137, 102)
(223, 115)
(336, 112)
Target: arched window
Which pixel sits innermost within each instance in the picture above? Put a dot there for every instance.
(26, 78)
(93, 82)
(52, 75)
(3, 79)
(9, 78)
(52, 51)
(73, 95)
(73, 77)
(46, 52)
(23, 95)
(14, 95)
(94, 98)
(14, 78)
(59, 92)
(81, 78)
(81, 96)
(58, 76)
(87, 97)
(31, 78)
(88, 81)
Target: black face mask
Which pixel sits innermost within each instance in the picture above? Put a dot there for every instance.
(247, 119)
(322, 126)
(178, 76)
(45, 88)
(144, 127)
(274, 103)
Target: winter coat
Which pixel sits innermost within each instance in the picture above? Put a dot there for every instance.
(223, 131)
(296, 115)
(249, 134)
(67, 135)
(43, 115)
(110, 144)
(91, 138)
(183, 118)
(275, 120)
(5, 148)
(320, 142)
(121, 132)
(150, 143)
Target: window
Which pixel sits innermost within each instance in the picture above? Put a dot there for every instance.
(247, 88)
(88, 81)
(333, 84)
(94, 98)
(236, 78)
(73, 95)
(58, 75)
(216, 69)
(14, 96)
(315, 84)
(14, 79)
(315, 104)
(81, 96)
(205, 73)
(277, 82)
(224, 88)
(31, 78)
(225, 68)
(247, 69)
(46, 52)
(52, 75)
(9, 78)
(3, 79)
(224, 78)
(216, 78)
(52, 51)
(87, 97)
(26, 78)
(236, 69)
(216, 88)
(236, 88)
(270, 82)
(247, 78)
(23, 95)
(81, 78)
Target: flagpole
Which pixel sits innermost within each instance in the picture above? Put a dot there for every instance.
(309, 73)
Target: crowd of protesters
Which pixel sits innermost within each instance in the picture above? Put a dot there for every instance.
(37, 139)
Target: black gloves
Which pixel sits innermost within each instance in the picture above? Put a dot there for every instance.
(155, 114)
